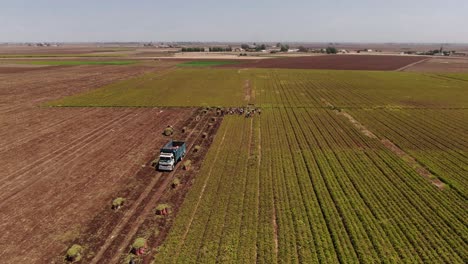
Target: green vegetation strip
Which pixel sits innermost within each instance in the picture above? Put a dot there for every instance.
(76, 63)
(193, 87)
(205, 63)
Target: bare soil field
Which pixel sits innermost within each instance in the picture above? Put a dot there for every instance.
(212, 55)
(335, 62)
(110, 233)
(15, 68)
(443, 64)
(61, 166)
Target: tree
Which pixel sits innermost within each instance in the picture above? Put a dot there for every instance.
(303, 49)
(245, 46)
(284, 48)
(260, 47)
(331, 50)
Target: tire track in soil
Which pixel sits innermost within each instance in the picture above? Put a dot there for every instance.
(40, 132)
(177, 199)
(64, 156)
(411, 65)
(155, 197)
(77, 141)
(141, 215)
(91, 179)
(63, 149)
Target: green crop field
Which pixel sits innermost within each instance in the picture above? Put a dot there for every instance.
(311, 180)
(301, 185)
(75, 63)
(185, 87)
(273, 88)
(205, 63)
(339, 167)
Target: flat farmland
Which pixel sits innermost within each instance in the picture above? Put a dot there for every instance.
(62, 166)
(441, 65)
(337, 167)
(302, 185)
(335, 62)
(273, 87)
(351, 167)
(181, 87)
(436, 138)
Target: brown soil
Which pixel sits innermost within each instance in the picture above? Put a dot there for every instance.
(334, 62)
(147, 190)
(247, 91)
(61, 166)
(4, 70)
(442, 64)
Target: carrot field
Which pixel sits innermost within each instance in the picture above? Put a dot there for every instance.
(301, 185)
(339, 167)
(189, 87)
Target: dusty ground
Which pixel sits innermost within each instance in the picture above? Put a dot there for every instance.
(211, 55)
(16, 68)
(442, 64)
(61, 166)
(335, 62)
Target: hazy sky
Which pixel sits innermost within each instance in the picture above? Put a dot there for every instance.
(235, 20)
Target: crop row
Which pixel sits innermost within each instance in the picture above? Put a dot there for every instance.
(356, 89)
(303, 186)
(437, 140)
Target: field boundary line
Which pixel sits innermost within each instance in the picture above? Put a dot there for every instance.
(406, 157)
(411, 65)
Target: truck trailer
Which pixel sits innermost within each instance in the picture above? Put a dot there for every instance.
(171, 153)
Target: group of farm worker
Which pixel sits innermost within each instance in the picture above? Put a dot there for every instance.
(247, 111)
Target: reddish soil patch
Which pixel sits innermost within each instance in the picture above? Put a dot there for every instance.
(335, 62)
(443, 64)
(61, 166)
(4, 70)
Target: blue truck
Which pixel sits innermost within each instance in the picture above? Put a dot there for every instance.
(171, 153)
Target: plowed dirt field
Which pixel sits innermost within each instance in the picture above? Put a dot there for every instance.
(61, 166)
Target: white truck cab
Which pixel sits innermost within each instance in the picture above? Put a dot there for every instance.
(166, 161)
(171, 153)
